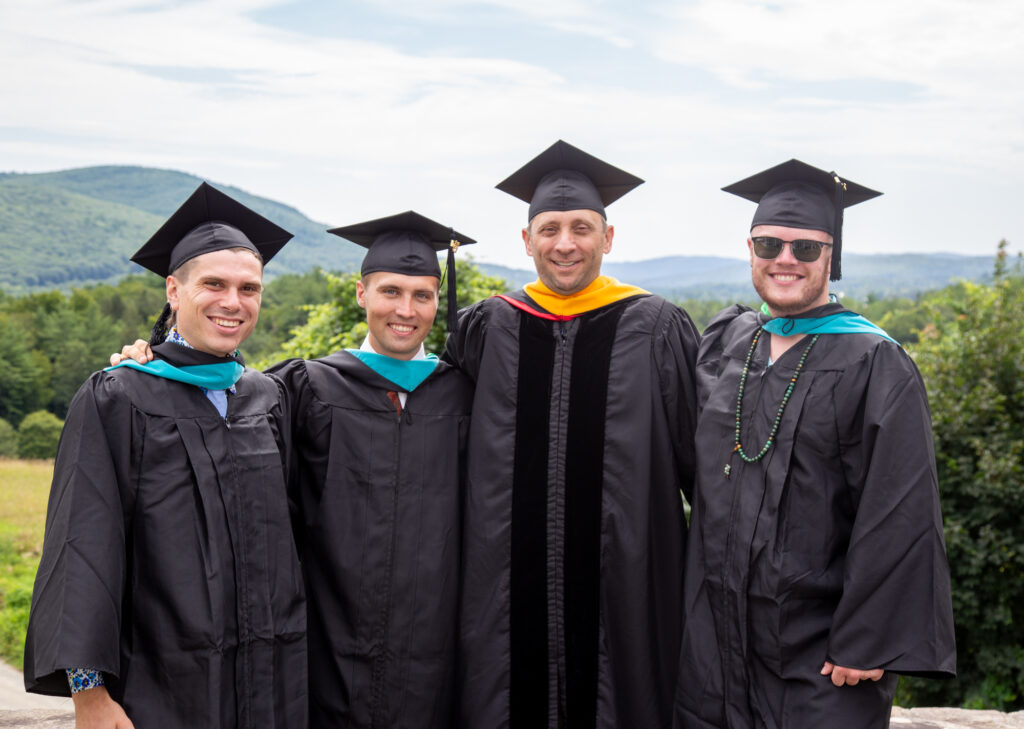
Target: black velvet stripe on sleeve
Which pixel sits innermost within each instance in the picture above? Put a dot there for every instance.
(583, 487)
(528, 611)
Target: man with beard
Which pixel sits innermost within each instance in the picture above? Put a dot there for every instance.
(169, 593)
(816, 569)
(580, 449)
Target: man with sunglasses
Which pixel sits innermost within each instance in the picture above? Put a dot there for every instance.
(816, 569)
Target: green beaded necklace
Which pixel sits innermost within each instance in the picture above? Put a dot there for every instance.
(782, 405)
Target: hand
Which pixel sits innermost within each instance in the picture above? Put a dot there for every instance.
(94, 709)
(139, 351)
(849, 676)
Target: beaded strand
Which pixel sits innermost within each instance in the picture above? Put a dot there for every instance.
(782, 405)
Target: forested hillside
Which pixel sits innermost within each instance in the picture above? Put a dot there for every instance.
(78, 227)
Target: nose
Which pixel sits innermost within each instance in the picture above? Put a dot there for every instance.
(786, 254)
(404, 308)
(566, 241)
(230, 300)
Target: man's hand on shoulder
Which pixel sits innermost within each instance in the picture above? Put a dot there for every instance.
(139, 351)
(849, 676)
(94, 709)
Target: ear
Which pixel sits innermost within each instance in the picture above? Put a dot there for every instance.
(171, 285)
(608, 235)
(750, 250)
(526, 241)
(360, 294)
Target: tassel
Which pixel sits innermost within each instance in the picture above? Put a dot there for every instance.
(836, 271)
(453, 299)
(159, 332)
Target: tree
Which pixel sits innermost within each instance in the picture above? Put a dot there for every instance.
(973, 366)
(8, 440)
(38, 435)
(24, 375)
(341, 322)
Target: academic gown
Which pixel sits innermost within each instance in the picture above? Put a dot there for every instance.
(580, 445)
(168, 562)
(830, 548)
(380, 501)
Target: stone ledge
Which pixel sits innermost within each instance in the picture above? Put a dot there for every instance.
(942, 718)
(37, 719)
(939, 718)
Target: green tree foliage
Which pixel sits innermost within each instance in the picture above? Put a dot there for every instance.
(23, 380)
(340, 323)
(8, 440)
(973, 365)
(38, 435)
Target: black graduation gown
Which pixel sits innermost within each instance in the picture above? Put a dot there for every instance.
(829, 548)
(380, 503)
(581, 442)
(168, 562)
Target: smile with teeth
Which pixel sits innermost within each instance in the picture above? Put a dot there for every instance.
(230, 323)
(785, 276)
(402, 328)
(565, 264)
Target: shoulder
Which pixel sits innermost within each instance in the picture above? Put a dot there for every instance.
(732, 323)
(256, 382)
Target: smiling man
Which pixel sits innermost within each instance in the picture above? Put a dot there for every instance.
(816, 569)
(169, 593)
(581, 447)
(380, 434)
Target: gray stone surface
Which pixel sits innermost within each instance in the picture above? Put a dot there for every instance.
(38, 719)
(31, 711)
(942, 718)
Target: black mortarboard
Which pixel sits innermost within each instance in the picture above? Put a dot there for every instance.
(408, 243)
(563, 177)
(796, 195)
(209, 221)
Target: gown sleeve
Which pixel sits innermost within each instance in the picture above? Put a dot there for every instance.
(292, 379)
(75, 618)
(896, 610)
(675, 356)
(464, 347)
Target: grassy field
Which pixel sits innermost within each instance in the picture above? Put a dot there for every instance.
(24, 488)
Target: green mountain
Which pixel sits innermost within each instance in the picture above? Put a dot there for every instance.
(75, 227)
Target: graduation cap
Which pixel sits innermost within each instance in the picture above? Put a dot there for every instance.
(563, 177)
(209, 221)
(408, 243)
(796, 195)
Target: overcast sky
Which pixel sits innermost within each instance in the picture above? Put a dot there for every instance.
(350, 110)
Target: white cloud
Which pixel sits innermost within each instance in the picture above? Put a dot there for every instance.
(347, 129)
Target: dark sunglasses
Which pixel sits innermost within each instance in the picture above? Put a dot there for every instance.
(803, 250)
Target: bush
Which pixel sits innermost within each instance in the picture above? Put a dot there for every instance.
(8, 440)
(973, 365)
(38, 435)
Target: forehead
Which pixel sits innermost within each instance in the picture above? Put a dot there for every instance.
(786, 233)
(230, 263)
(379, 279)
(567, 217)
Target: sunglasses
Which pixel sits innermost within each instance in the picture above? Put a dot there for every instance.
(805, 251)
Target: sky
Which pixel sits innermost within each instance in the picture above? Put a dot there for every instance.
(356, 109)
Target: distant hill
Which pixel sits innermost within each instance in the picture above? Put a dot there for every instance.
(69, 228)
(76, 227)
(709, 277)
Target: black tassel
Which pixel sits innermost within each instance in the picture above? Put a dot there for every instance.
(836, 271)
(453, 297)
(159, 332)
